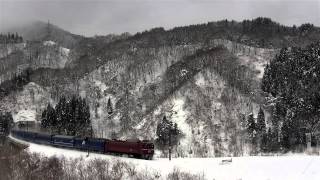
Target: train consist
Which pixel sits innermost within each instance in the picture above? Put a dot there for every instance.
(136, 148)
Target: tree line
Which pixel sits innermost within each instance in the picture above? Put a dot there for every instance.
(258, 32)
(16, 83)
(10, 38)
(69, 117)
(261, 138)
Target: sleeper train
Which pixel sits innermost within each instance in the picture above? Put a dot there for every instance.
(136, 148)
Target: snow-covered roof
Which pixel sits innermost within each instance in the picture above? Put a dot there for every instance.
(65, 51)
(49, 43)
(25, 115)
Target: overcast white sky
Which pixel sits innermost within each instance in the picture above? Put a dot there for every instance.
(90, 17)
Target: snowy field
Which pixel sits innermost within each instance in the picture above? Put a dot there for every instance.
(290, 167)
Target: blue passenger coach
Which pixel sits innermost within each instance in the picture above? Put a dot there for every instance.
(64, 141)
(92, 144)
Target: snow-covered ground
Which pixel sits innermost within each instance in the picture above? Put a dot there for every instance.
(290, 167)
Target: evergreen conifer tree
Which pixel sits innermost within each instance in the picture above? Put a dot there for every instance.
(61, 112)
(264, 142)
(285, 133)
(251, 126)
(109, 106)
(44, 120)
(165, 129)
(261, 124)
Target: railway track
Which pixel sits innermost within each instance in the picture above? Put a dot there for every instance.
(133, 148)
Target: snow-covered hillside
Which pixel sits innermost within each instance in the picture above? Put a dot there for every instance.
(7, 49)
(52, 55)
(28, 104)
(124, 75)
(253, 57)
(12, 61)
(15, 58)
(183, 82)
(204, 105)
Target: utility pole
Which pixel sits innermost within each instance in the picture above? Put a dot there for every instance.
(88, 139)
(1, 126)
(170, 144)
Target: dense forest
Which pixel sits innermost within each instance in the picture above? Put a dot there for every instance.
(292, 81)
(16, 83)
(6, 121)
(70, 117)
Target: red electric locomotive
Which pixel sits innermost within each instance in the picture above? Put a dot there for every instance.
(139, 149)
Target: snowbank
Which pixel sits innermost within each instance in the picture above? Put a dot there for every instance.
(293, 167)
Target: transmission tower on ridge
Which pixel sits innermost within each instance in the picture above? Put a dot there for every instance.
(48, 31)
